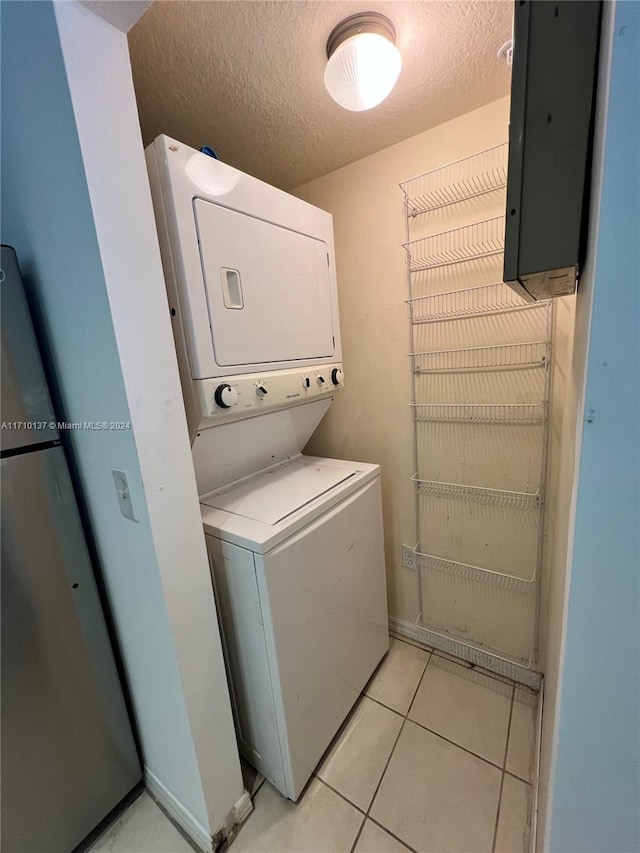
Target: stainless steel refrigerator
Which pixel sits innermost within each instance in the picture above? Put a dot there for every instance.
(68, 754)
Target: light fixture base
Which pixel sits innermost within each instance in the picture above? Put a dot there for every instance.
(505, 52)
(361, 22)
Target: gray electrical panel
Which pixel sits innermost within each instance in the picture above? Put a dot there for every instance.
(555, 61)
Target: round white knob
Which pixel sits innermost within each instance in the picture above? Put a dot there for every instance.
(320, 380)
(337, 376)
(225, 396)
(261, 391)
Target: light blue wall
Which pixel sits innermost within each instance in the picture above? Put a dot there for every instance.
(595, 803)
(46, 216)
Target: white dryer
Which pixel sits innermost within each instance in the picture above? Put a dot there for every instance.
(295, 542)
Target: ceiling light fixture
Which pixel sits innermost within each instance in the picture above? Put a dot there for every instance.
(506, 52)
(363, 61)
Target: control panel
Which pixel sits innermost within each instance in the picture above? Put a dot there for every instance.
(234, 397)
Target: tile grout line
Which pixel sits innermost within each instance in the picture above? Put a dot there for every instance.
(504, 764)
(342, 796)
(509, 773)
(365, 815)
(382, 705)
(443, 737)
(495, 827)
(393, 748)
(453, 743)
(404, 719)
(506, 746)
(353, 805)
(358, 834)
(430, 654)
(392, 834)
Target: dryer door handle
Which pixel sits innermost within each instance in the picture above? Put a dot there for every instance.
(231, 288)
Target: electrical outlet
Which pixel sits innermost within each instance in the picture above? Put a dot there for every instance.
(408, 558)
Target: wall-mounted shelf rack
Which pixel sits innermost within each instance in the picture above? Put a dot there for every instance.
(486, 413)
(476, 301)
(524, 586)
(479, 549)
(469, 243)
(462, 180)
(531, 354)
(488, 497)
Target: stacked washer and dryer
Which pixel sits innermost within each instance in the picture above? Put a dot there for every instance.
(294, 542)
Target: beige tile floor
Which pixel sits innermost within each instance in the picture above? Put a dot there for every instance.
(143, 828)
(436, 756)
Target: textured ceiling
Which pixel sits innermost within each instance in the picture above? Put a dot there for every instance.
(246, 77)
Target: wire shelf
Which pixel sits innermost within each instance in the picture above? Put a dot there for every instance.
(464, 179)
(530, 354)
(477, 494)
(487, 299)
(472, 242)
(512, 583)
(500, 662)
(489, 413)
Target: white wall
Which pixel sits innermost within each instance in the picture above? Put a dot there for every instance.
(592, 712)
(76, 206)
(370, 420)
(565, 452)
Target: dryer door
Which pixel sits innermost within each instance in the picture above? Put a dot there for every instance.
(268, 290)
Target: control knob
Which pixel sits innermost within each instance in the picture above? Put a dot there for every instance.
(225, 396)
(320, 380)
(261, 391)
(306, 382)
(337, 376)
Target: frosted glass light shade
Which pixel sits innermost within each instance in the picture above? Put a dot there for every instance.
(362, 71)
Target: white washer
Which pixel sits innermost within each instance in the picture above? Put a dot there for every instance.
(294, 542)
(297, 559)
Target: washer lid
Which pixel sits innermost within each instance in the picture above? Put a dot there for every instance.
(273, 495)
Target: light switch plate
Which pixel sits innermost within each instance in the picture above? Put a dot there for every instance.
(121, 482)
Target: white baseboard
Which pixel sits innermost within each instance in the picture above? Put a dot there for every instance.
(533, 847)
(242, 809)
(177, 811)
(188, 824)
